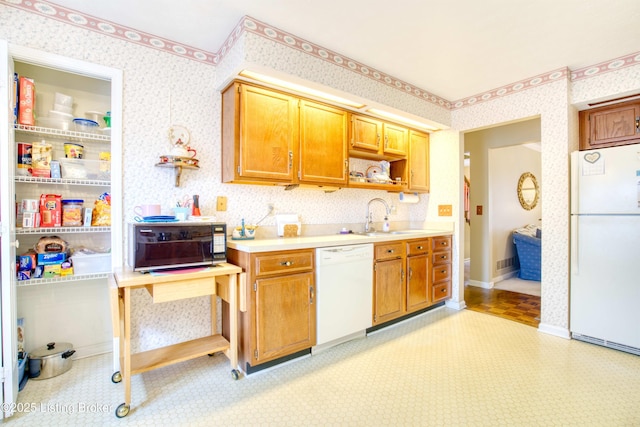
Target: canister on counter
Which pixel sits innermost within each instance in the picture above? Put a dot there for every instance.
(72, 212)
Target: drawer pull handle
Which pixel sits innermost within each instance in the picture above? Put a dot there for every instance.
(390, 251)
(444, 243)
(443, 257)
(420, 247)
(443, 271)
(287, 263)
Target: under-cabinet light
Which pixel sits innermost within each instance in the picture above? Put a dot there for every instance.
(299, 88)
(401, 119)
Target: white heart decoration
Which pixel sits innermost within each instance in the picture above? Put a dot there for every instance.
(592, 157)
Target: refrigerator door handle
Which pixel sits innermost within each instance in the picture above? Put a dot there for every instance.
(575, 263)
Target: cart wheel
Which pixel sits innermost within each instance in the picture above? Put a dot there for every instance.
(211, 354)
(116, 377)
(122, 410)
(234, 374)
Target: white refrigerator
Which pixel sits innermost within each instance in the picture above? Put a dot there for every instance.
(605, 247)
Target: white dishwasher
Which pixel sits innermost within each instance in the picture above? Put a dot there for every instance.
(344, 293)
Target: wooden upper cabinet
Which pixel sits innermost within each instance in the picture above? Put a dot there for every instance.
(617, 124)
(259, 135)
(366, 133)
(418, 161)
(395, 139)
(323, 144)
(371, 138)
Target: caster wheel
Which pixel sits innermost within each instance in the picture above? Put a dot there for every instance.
(116, 377)
(235, 374)
(211, 354)
(122, 410)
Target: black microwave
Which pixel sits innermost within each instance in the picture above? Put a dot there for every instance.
(160, 246)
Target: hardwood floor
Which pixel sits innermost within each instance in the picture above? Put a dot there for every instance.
(520, 308)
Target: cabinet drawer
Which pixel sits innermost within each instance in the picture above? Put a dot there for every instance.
(181, 289)
(441, 272)
(441, 242)
(283, 263)
(442, 257)
(389, 250)
(418, 247)
(440, 291)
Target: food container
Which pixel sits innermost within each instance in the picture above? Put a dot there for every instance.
(50, 361)
(95, 116)
(85, 125)
(60, 115)
(85, 169)
(63, 100)
(54, 123)
(73, 150)
(91, 264)
(72, 212)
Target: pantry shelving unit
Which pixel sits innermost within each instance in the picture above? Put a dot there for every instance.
(70, 308)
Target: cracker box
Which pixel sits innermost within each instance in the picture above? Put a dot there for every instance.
(41, 159)
(50, 210)
(27, 101)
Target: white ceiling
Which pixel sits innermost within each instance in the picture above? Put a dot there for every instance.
(451, 48)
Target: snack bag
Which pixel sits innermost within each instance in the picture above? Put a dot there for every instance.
(101, 216)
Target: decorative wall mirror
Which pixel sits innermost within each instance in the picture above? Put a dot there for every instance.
(528, 191)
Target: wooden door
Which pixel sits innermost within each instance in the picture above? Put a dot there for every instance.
(417, 282)
(268, 134)
(610, 126)
(418, 161)
(389, 290)
(285, 316)
(395, 139)
(323, 144)
(366, 134)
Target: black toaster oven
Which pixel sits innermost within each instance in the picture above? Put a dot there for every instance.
(159, 246)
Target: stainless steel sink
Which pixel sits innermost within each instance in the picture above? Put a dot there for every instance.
(387, 233)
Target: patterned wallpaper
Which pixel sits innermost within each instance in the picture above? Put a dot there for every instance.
(166, 84)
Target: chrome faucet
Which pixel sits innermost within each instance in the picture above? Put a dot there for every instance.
(367, 226)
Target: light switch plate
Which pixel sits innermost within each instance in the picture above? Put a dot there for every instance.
(445, 210)
(221, 203)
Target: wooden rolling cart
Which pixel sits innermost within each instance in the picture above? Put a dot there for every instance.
(223, 280)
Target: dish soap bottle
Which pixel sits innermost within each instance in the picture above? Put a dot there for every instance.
(385, 224)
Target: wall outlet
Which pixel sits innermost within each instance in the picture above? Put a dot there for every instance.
(479, 210)
(445, 210)
(221, 203)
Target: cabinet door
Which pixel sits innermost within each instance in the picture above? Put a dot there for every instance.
(366, 134)
(285, 316)
(323, 144)
(417, 282)
(395, 139)
(418, 161)
(609, 126)
(389, 290)
(268, 134)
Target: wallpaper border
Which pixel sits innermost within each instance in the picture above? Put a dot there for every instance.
(252, 25)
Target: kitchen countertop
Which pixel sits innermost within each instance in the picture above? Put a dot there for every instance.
(310, 242)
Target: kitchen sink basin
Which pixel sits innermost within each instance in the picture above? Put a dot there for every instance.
(387, 233)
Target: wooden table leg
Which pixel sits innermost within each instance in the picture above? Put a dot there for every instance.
(233, 320)
(126, 375)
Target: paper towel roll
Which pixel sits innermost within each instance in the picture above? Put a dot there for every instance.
(409, 198)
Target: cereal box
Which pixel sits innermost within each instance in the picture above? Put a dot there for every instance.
(41, 159)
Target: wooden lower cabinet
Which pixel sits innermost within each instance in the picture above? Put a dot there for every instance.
(418, 275)
(441, 268)
(281, 312)
(410, 276)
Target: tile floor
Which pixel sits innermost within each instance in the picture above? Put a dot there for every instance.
(442, 368)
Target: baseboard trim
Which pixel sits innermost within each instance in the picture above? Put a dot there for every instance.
(479, 284)
(456, 305)
(505, 276)
(554, 330)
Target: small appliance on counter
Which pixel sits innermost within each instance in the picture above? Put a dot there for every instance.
(159, 246)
